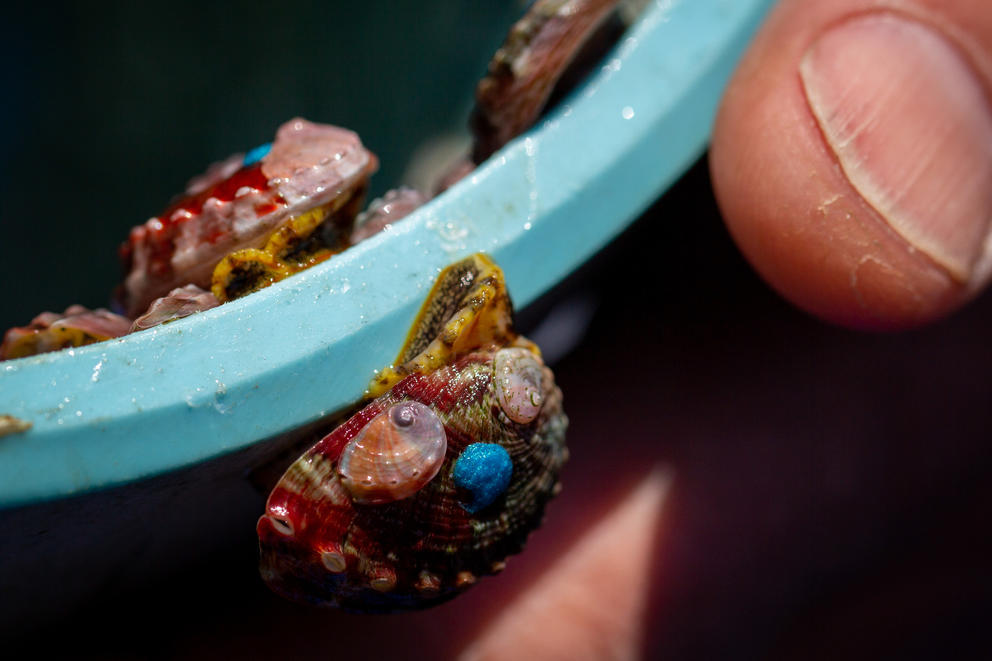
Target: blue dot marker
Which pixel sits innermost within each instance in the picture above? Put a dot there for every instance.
(484, 469)
(256, 154)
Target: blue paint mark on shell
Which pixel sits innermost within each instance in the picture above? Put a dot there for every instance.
(256, 154)
(484, 469)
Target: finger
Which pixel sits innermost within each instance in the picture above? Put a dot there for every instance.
(590, 605)
(852, 157)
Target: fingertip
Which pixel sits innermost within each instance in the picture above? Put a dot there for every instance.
(840, 233)
(592, 602)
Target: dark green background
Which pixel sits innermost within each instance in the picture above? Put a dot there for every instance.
(110, 107)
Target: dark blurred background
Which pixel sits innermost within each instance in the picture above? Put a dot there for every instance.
(831, 493)
(110, 107)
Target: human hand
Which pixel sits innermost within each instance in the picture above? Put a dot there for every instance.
(852, 159)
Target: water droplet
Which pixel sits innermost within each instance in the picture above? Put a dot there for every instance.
(627, 112)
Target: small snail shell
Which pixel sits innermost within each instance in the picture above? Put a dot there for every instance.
(395, 455)
(518, 374)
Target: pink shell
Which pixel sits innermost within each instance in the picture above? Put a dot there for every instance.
(180, 302)
(386, 210)
(397, 453)
(518, 376)
(46, 331)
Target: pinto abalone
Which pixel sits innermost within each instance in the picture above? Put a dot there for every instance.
(441, 474)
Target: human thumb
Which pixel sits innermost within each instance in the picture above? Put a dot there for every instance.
(852, 157)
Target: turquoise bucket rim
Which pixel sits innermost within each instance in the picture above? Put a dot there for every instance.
(252, 369)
